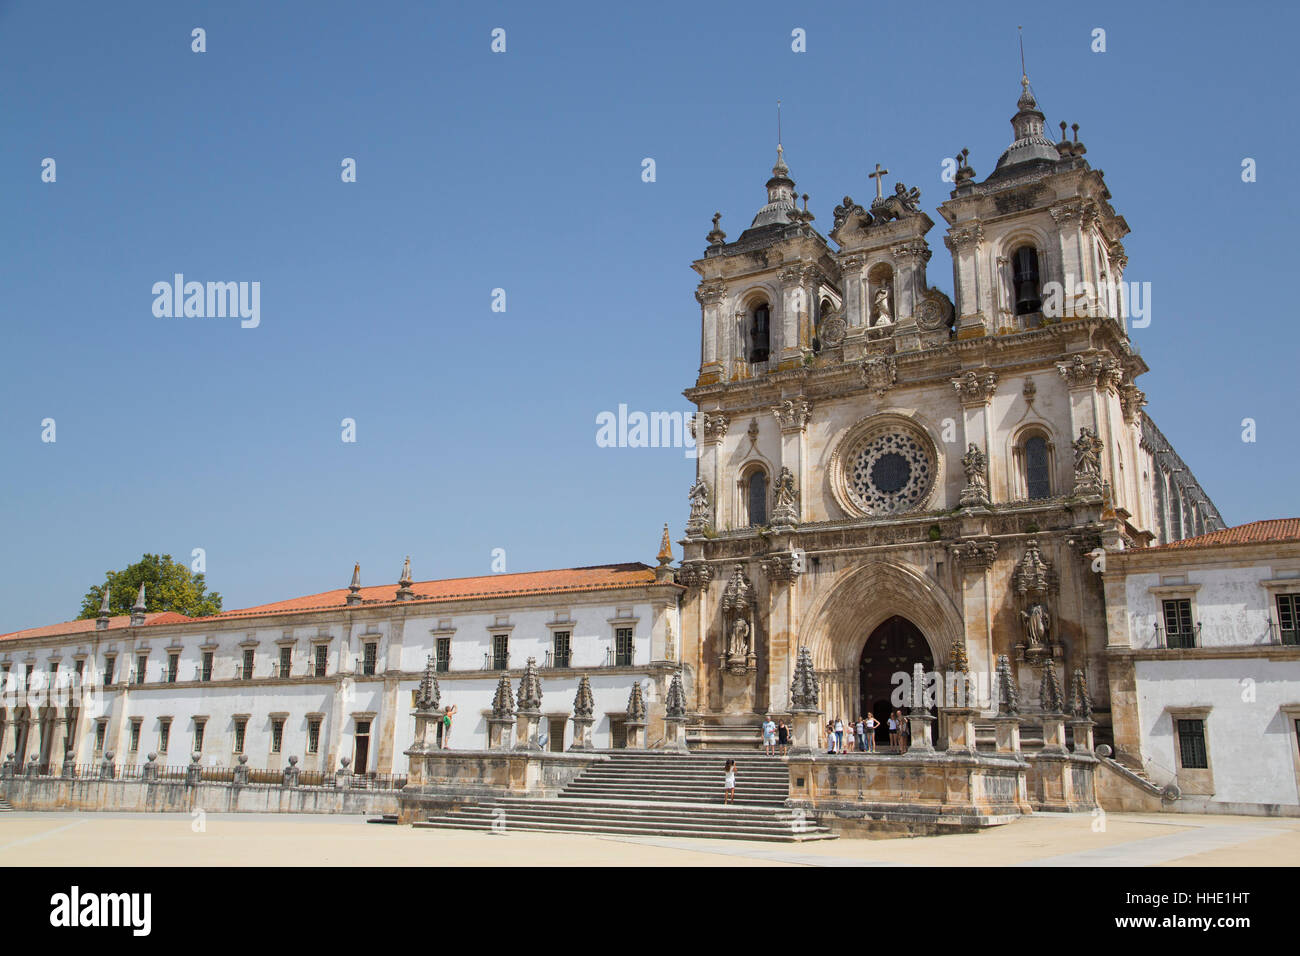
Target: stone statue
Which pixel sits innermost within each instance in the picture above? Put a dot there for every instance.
(904, 203)
(786, 509)
(881, 307)
(699, 517)
(975, 463)
(1037, 624)
(1087, 453)
(739, 639)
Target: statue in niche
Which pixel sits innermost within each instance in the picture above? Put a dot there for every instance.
(786, 509)
(881, 307)
(1037, 625)
(739, 648)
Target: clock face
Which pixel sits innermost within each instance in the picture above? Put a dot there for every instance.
(889, 470)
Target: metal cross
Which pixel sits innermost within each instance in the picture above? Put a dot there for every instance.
(878, 176)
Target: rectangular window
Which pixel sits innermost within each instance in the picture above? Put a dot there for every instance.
(173, 667)
(442, 662)
(135, 735)
(110, 664)
(79, 667)
(101, 728)
(1191, 744)
(369, 656)
(561, 648)
(313, 735)
(240, 726)
(322, 659)
(286, 661)
(1288, 617)
(623, 647)
(1178, 623)
(277, 734)
(199, 727)
(500, 651)
(141, 663)
(164, 734)
(247, 672)
(207, 666)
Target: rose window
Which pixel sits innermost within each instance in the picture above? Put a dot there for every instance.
(888, 472)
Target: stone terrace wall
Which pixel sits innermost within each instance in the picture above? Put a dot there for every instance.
(66, 793)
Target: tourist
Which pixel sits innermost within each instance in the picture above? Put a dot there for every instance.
(783, 737)
(729, 782)
(446, 726)
(861, 729)
(839, 735)
(870, 728)
(769, 736)
(830, 736)
(893, 730)
(904, 733)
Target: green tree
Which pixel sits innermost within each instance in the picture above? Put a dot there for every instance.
(168, 586)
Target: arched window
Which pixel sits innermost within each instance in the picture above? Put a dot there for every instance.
(1038, 477)
(756, 497)
(759, 321)
(1025, 281)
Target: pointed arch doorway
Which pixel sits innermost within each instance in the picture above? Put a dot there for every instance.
(893, 647)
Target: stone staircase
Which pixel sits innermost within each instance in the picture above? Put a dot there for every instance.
(641, 792)
(4, 805)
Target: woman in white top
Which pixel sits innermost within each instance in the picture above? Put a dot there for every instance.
(729, 782)
(893, 731)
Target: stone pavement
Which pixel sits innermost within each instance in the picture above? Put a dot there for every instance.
(174, 839)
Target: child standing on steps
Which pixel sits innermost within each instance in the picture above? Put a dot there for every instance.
(729, 782)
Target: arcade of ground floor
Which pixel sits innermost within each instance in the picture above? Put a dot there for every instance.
(177, 839)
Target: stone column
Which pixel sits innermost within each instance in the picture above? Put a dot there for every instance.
(1007, 729)
(710, 295)
(194, 772)
(964, 242)
(782, 570)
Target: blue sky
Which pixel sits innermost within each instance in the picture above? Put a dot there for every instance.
(476, 429)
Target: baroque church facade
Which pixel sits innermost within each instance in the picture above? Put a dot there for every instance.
(887, 477)
(885, 473)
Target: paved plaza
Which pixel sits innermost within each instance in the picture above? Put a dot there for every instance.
(149, 839)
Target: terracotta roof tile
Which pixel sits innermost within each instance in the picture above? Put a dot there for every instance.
(598, 578)
(88, 625)
(1256, 532)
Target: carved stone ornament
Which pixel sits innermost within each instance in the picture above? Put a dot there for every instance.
(976, 387)
(695, 574)
(1080, 702)
(880, 374)
(636, 705)
(1131, 400)
(503, 701)
(935, 311)
(976, 554)
(1049, 691)
(701, 513)
(975, 464)
(709, 426)
(584, 703)
(784, 566)
(1034, 573)
(428, 696)
(675, 699)
(804, 689)
(846, 212)
(785, 511)
(833, 329)
(530, 688)
(793, 413)
(1008, 692)
(903, 204)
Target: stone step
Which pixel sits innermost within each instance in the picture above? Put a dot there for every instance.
(482, 819)
(644, 811)
(703, 787)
